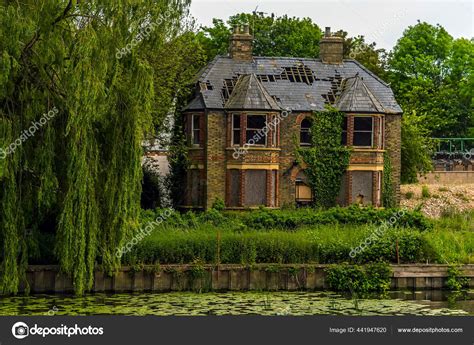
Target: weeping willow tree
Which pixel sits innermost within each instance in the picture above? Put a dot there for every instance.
(100, 66)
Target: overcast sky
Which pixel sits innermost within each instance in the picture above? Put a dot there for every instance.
(380, 21)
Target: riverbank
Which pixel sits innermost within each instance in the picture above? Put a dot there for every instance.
(165, 278)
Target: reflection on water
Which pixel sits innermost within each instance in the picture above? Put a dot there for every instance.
(243, 303)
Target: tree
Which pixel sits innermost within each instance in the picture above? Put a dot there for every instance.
(366, 53)
(431, 75)
(417, 148)
(101, 67)
(273, 36)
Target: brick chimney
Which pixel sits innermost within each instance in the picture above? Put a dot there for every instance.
(331, 48)
(241, 44)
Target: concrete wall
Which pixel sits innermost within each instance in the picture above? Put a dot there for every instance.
(447, 177)
(231, 277)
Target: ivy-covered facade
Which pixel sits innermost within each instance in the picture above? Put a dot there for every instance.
(251, 116)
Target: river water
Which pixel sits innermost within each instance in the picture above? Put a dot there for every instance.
(243, 303)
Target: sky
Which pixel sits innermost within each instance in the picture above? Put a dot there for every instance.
(380, 21)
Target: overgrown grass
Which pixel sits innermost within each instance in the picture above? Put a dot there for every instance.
(304, 236)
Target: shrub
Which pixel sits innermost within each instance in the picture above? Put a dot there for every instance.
(456, 281)
(409, 195)
(425, 192)
(357, 279)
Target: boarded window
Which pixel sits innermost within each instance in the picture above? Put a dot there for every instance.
(254, 134)
(305, 132)
(303, 192)
(195, 187)
(363, 128)
(255, 187)
(362, 187)
(234, 188)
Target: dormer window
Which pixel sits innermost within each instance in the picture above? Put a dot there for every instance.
(305, 132)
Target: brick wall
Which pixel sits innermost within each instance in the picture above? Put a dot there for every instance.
(393, 143)
(215, 152)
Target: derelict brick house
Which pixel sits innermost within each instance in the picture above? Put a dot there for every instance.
(237, 96)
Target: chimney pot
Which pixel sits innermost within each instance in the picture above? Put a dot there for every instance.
(241, 43)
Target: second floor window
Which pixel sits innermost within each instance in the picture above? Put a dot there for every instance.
(236, 130)
(344, 131)
(363, 131)
(196, 129)
(305, 132)
(254, 133)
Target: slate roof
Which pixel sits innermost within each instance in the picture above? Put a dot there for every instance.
(299, 84)
(356, 97)
(249, 93)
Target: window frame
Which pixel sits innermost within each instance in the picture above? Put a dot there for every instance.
(306, 130)
(233, 130)
(196, 139)
(355, 131)
(247, 128)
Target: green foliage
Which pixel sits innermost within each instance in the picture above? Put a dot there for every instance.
(218, 205)
(432, 75)
(357, 279)
(366, 53)
(456, 281)
(80, 174)
(327, 159)
(425, 192)
(273, 36)
(388, 194)
(417, 148)
(409, 195)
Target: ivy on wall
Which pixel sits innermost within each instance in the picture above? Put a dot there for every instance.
(388, 196)
(326, 159)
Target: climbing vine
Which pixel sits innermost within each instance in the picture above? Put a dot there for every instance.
(388, 196)
(327, 159)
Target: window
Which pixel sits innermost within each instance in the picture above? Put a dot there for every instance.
(236, 130)
(254, 134)
(362, 187)
(305, 132)
(363, 128)
(303, 193)
(344, 131)
(196, 129)
(255, 187)
(233, 197)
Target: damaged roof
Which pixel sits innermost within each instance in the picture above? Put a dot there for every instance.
(249, 93)
(298, 84)
(356, 97)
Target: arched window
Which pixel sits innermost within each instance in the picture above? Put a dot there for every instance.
(305, 132)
